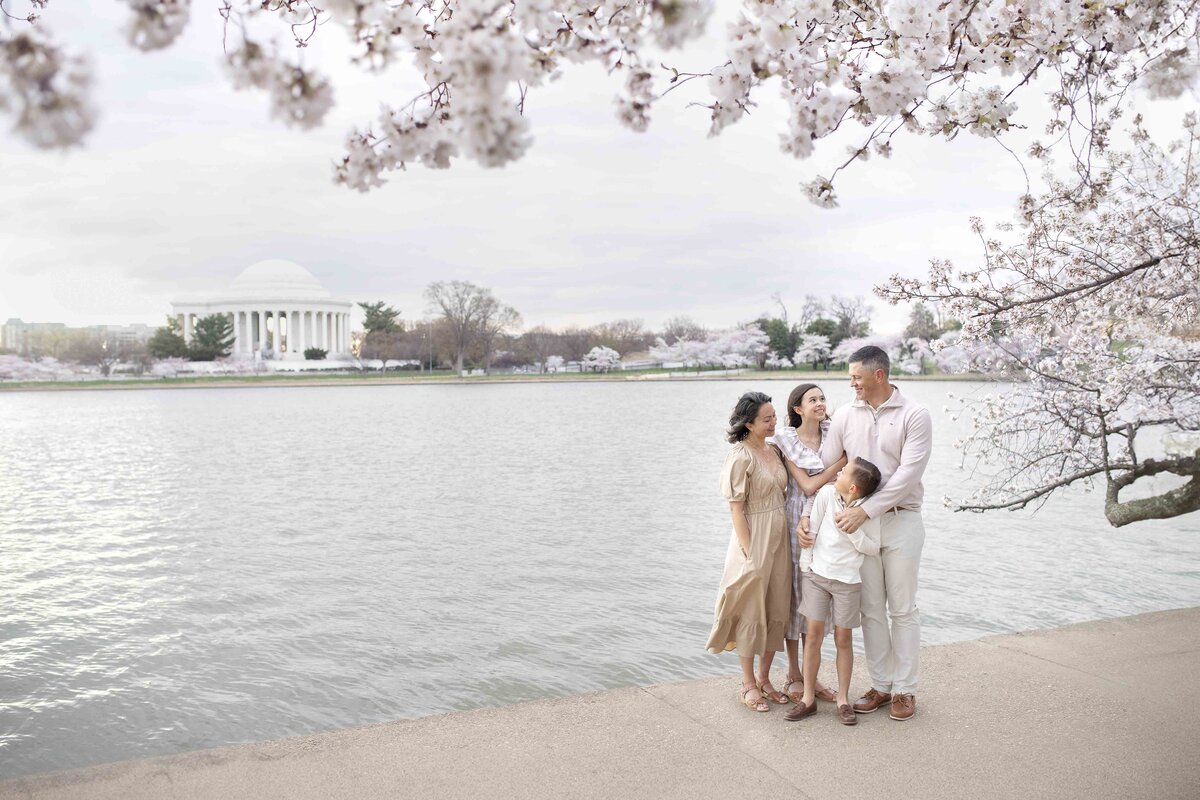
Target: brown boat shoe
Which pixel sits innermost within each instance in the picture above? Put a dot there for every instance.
(871, 701)
(800, 711)
(846, 715)
(903, 707)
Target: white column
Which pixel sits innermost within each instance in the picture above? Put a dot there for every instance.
(326, 328)
(279, 333)
(187, 327)
(341, 325)
(345, 333)
(262, 329)
(304, 345)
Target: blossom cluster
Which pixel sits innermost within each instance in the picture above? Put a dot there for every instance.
(299, 97)
(156, 24)
(928, 66)
(45, 88)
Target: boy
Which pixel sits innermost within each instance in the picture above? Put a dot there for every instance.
(830, 586)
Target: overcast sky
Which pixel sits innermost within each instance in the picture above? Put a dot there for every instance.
(186, 182)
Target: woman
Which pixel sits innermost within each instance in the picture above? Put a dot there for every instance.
(753, 601)
(800, 443)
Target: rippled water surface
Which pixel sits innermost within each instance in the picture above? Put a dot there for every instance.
(185, 569)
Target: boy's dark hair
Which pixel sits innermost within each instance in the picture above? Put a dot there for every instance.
(872, 358)
(866, 477)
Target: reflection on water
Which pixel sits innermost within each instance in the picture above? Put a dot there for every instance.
(184, 569)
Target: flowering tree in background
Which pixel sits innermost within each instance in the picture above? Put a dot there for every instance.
(170, 367)
(914, 353)
(776, 361)
(739, 347)
(928, 67)
(889, 344)
(1097, 307)
(812, 347)
(15, 368)
(601, 359)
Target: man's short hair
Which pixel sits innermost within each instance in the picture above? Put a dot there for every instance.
(866, 476)
(872, 358)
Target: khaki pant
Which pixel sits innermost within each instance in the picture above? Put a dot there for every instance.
(889, 590)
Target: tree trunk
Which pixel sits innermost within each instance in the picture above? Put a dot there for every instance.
(1178, 501)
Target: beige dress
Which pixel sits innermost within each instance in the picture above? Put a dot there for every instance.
(755, 595)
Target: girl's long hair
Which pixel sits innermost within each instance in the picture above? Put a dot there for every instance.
(795, 398)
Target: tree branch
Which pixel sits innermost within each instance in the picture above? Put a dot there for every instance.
(1173, 503)
(1096, 284)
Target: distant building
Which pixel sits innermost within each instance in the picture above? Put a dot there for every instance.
(127, 334)
(276, 306)
(21, 337)
(42, 338)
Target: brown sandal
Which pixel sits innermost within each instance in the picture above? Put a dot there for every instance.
(759, 705)
(797, 694)
(825, 693)
(773, 694)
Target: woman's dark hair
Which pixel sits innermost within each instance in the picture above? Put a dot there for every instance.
(794, 399)
(745, 412)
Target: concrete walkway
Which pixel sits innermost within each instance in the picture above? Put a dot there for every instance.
(1097, 710)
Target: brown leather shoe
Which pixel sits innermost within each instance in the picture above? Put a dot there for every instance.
(871, 701)
(800, 711)
(903, 707)
(846, 715)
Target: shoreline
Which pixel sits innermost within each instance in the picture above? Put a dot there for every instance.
(345, 379)
(1080, 711)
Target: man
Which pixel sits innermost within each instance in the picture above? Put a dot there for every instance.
(895, 434)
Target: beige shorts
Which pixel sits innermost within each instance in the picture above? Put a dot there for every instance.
(824, 598)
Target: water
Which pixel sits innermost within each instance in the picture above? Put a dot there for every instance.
(187, 569)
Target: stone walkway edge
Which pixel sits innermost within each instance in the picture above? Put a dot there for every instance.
(1102, 709)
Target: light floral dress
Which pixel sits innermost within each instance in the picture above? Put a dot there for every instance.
(804, 457)
(752, 603)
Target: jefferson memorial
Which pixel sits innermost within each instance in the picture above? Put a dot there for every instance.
(277, 307)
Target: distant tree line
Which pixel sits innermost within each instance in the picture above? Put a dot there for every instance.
(465, 326)
(472, 328)
(825, 331)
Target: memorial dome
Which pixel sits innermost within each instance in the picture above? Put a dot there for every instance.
(275, 278)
